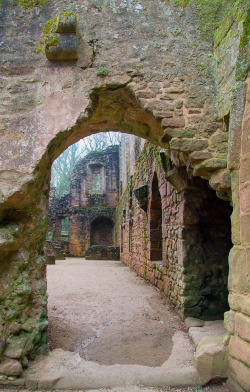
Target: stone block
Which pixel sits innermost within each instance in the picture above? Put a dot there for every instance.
(240, 350)
(233, 385)
(206, 168)
(178, 178)
(245, 228)
(180, 133)
(65, 49)
(173, 122)
(237, 280)
(242, 326)
(235, 220)
(198, 156)
(210, 358)
(229, 321)
(236, 115)
(188, 145)
(239, 303)
(67, 23)
(19, 347)
(178, 104)
(11, 367)
(239, 372)
(245, 198)
(244, 168)
(193, 322)
(221, 180)
(218, 137)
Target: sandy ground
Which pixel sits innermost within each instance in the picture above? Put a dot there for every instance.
(109, 315)
(108, 328)
(216, 388)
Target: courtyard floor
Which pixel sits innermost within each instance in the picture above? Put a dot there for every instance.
(109, 328)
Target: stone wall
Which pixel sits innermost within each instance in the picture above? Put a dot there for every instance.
(180, 240)
(159, 84)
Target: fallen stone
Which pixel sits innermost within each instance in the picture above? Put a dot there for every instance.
(210, 328)
(210, 358)
(11, 367)
(193, 322)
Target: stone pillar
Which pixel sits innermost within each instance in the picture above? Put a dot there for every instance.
(237, 320)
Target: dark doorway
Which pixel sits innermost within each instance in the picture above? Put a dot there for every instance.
(102, 232)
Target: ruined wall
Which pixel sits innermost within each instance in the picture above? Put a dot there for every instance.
(159, 83)
(180, 242)
(92, 197)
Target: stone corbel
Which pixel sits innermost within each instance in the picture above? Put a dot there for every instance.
(141, 194)
(66, 36)
(178, 177)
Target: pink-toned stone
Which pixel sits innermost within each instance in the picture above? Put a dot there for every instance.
(242, 326)
(240, 350)
(173, 122)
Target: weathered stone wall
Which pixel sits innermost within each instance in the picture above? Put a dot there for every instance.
(93, 197)
(181, 241)
(160, 84)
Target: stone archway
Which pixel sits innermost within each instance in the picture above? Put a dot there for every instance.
(152, 96)
(110, 108)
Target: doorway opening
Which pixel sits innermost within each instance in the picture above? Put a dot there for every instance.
(102, 232)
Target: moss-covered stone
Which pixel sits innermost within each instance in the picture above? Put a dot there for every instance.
(28, 4)
(211, 13)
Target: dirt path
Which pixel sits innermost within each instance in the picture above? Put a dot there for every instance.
(110, 329)
(106, 313)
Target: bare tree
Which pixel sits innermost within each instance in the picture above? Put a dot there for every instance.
(63, 166)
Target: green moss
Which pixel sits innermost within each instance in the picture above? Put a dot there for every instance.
(50, 38)
(243, 61)
(66, 14)
(102, 71)
(211, 13)
(28, 4)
